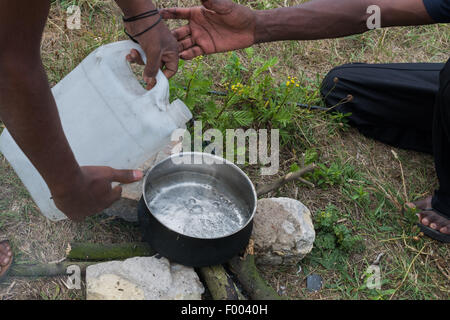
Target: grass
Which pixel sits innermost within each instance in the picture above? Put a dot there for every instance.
(360, 187)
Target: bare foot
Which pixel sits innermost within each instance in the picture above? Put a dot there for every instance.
(422, 204)
(435, 221)
(429, 218)
(5, 255)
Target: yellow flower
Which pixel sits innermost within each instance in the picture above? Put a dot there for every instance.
(288, 83)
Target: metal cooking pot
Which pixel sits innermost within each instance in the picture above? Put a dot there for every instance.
(197, 209)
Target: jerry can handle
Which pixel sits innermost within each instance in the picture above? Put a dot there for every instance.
(117, 56)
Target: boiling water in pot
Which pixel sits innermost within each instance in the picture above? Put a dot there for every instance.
(196, 205)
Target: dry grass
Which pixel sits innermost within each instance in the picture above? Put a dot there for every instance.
(36, 239)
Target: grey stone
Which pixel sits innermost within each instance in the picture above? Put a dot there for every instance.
(124, 208)
(142, 278)
(283, 231)
(313, 282)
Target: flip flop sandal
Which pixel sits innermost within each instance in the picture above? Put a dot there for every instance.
(5, 269)
(435, 234)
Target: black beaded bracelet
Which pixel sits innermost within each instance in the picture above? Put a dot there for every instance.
(146, 14)
(141, 33)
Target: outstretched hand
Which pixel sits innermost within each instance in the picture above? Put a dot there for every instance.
(216, 26)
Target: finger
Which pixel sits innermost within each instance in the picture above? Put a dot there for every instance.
(181, 32)
(151, 70)
(116, 194)
(135, 57)
(185, 44)
(126, 176)
(171, 64)
(191, 53)
(176, 13)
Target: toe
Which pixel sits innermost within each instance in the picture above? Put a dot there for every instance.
(4, 260)
(5, 254)
(424, 220)
(445, 230)
(435, 221)
(3, 251)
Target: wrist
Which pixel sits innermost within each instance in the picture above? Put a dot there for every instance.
(136, 27)
(262, 28)
(67, 182)
(135, 7)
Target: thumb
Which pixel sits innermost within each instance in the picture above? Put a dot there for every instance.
(126, 176)
(151, 70)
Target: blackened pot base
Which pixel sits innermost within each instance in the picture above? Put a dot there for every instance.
(186, 250)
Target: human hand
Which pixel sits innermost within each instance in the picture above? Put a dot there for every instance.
(91, 191)
(160, 47)
(216, 26)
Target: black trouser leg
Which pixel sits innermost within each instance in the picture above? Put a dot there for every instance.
(392, 103)
(441, 143)
(404, 105)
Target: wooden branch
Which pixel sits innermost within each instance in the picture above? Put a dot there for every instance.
(216, 278)
(297, 175)
(308, 183)
(46, 270)
(250, 279)
(104, 252)
(220, 284)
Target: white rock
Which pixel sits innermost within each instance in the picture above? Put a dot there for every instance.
(283, 231)
(142, 278)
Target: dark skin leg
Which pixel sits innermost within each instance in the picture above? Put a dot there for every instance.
(430, 218)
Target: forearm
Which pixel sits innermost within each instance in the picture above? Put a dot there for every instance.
(29, 112)
(27, 106)
(320, 19)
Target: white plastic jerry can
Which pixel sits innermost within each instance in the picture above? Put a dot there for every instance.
(108, 117)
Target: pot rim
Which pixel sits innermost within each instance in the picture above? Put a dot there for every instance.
(225, 162)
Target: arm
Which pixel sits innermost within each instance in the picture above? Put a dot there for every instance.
(321, 19)
(222, 25)
(29, 112)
